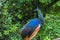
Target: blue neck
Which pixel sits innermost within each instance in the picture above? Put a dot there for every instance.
(40, 16)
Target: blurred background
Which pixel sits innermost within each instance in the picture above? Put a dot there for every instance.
(15, 13)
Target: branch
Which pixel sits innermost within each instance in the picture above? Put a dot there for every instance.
(52, 3)
(47, 7)
(37, 3)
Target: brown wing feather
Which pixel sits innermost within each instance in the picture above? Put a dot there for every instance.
(35, 32)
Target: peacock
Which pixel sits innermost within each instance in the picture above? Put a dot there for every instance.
(31, 28)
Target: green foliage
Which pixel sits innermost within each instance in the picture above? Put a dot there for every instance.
(15, 13)
(51, 27)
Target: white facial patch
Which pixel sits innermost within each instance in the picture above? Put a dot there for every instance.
(39, 25)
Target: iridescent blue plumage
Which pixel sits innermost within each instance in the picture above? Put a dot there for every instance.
(33, 22)
(29, 28)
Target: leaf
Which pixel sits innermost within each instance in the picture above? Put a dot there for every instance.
(58, 3)
(19, 16)
(6, 32)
